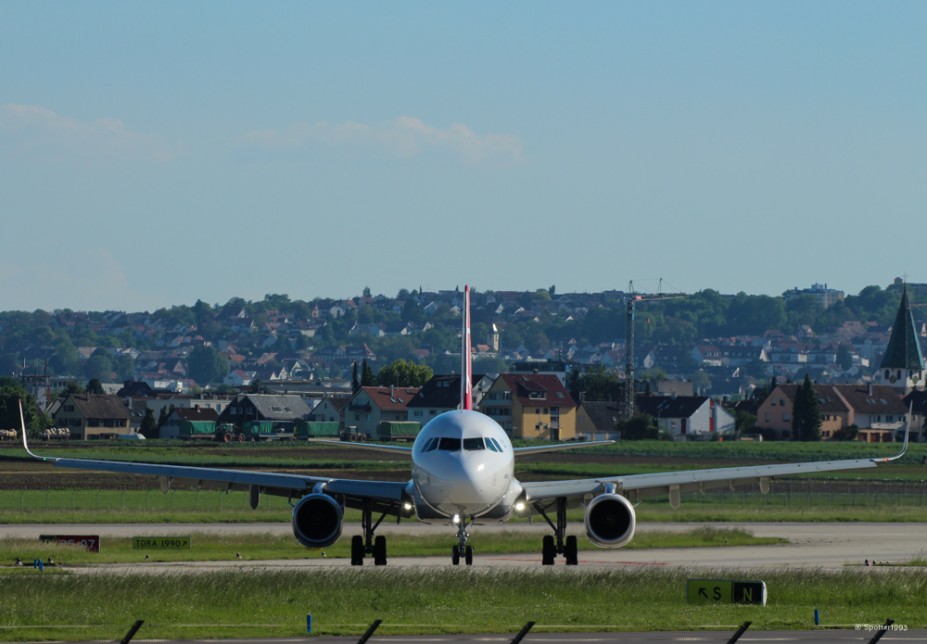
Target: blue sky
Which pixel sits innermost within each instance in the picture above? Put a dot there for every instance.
(153, 154)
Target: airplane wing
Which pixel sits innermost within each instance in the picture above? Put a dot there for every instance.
(386, 496)
(638, 486)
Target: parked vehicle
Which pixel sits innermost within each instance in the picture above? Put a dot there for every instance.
(398, 430)
(307, 429)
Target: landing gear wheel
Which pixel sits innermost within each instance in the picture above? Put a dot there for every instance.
(455, 556)
(468, 556)
(571, 551)
(379, 551)
(548, 551)
(357, 550)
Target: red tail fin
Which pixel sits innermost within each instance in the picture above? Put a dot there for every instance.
(466, 368)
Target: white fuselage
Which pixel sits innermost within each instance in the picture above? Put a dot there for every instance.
(463, 466)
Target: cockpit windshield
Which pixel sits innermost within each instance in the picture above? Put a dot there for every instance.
(451, 444)
(448, 444)
(472, 444)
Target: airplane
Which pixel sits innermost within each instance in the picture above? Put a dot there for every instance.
(462, 472)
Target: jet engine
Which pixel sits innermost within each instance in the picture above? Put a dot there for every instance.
(610, 521)
(317, 520)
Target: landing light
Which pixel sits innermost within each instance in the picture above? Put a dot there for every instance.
(519, 506)
(407, 506)
(456, 519)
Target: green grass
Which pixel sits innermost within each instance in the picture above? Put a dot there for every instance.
(41, 606)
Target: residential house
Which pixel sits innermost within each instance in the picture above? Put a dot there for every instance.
(192, 416)
(331, 409)
(532, 406)
(774, 415)
(686, 417)
(283, 410)
(441, 394)
(598, 420)
(138, 400)
(372, 405)
(90, 416)
(916, 401)
(878, 411)
(239, 378)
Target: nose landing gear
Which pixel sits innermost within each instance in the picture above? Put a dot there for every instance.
(462, 549)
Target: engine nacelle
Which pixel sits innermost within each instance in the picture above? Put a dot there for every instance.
(610, 521)
(317, 520)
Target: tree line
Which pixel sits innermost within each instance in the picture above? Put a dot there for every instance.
(56, 336)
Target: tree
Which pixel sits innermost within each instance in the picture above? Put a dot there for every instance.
(99, 366)
(149, 426)
(368, 379)
(71, 387)
(640, 427)
(847, 433)
(844, 356)
(402, 373)
(207, 365)
(754, 314)
(94, 386)
(744, 421)
(806, 414)
(11, 393)
(595, 383)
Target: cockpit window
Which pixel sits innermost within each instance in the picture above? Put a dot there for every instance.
(493, 445)
(473, 444)
(430, 444)
(449, 444)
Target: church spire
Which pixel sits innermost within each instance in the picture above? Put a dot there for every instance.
(903, 360)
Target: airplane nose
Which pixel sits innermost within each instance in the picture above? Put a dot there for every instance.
(465, 480)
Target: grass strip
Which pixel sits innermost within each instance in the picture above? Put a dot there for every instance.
(460, 600)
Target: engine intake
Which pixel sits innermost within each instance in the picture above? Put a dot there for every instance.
(317, 520)
(610, 521)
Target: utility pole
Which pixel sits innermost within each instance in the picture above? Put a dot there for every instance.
(633, 300)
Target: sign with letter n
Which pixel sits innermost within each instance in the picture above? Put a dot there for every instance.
(725, 591)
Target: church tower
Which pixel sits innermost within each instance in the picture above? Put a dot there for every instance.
(903, 363)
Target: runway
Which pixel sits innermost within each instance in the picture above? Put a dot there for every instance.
(812, 545)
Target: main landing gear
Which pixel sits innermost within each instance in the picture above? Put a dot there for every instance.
(566, 546)
(462, 550)
(368, 544)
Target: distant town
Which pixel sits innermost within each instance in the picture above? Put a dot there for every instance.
(553, 366)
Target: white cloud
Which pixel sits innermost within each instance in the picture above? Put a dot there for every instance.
(39, 131)
(404, 136)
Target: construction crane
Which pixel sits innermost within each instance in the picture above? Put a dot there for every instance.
(633, 300)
